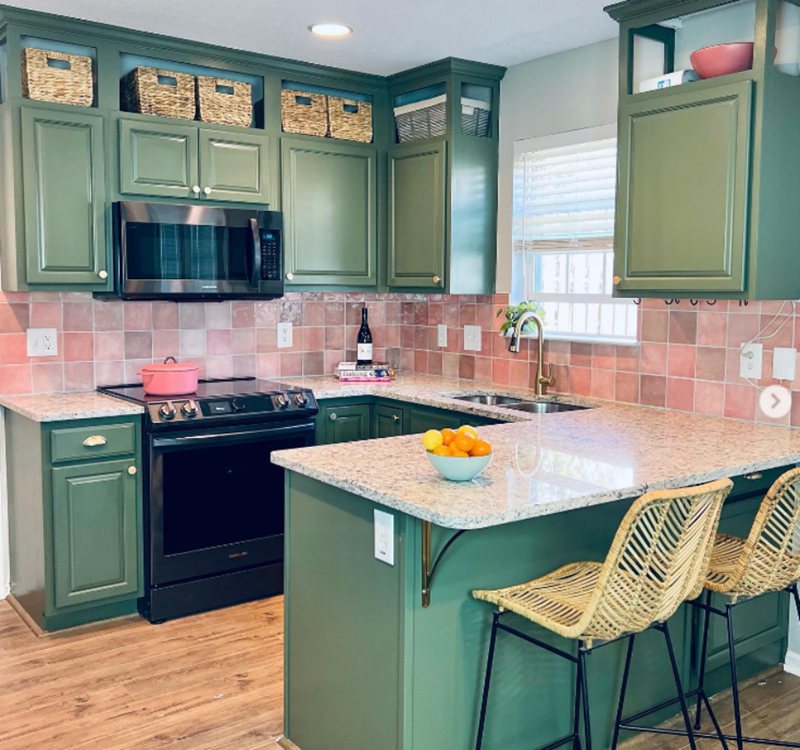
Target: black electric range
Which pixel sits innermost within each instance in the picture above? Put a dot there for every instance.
(213, 510)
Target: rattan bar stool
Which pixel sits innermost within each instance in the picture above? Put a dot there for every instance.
(659, 558)
(767, 561)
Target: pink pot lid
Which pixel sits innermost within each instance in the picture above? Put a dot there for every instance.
(167, 366)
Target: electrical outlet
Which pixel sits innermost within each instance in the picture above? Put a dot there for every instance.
(441, 335)
(750, 357)
(384, 536)
(42, 342)
(285, 335)
(784, 363)
(472, 338)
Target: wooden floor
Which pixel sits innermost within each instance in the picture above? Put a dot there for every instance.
(210, 682)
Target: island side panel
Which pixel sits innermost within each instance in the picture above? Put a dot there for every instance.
(344, 623)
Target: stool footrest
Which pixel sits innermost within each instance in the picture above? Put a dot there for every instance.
(707, 735)
(558, 743)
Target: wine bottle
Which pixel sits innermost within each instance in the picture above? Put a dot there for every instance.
(364, 341)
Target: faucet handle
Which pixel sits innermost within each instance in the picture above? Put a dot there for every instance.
(548, 378)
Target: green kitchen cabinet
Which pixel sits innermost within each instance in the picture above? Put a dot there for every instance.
(387, 421)
(417, 195)
(64, 201)
(95, 534)
(423, 418)
(75, 518)
(683, 220)
(342, 422)
(707, 170)
(329, 199)
(167, 160)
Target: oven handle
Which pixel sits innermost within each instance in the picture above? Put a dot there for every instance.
(231, 438)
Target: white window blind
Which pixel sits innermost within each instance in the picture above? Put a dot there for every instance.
(563, 234)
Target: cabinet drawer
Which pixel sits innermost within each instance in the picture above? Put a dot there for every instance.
(755, 483)
(83, 443)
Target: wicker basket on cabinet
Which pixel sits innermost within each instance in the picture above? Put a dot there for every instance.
(349, 119)
(57, 77)
(304, 112)
(224, 102)
(153, 91)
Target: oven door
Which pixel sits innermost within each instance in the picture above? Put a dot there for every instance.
(216, 500)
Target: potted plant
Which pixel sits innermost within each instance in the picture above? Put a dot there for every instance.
(512, 314)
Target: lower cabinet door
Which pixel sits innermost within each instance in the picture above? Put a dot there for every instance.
(387, 421)
(420, 419)
(95, 532)
(342, 424)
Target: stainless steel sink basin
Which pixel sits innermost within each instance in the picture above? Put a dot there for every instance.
(544, 407)
(490, 399)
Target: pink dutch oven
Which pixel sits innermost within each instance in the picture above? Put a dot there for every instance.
(170, 378)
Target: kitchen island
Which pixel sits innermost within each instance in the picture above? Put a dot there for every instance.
(385, 657)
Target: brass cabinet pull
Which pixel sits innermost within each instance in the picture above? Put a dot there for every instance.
(103, 274)
(395, 418)
(207, 190)
(333, 417)
(196, 189)
(289, 276)
(436, 279)
(616, 280)
(754, 475)
(132, 470)
(94, 441)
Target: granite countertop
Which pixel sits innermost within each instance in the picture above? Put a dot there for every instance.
(543, 463)
(60, 407)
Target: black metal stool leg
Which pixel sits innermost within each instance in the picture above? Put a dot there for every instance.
(737, 713)
(587, 724)
(623, 689)
(487, 680)
(703, 656)
(676, 675)
(576, 717)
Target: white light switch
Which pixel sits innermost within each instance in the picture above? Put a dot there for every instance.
(441, 335)
(750, 357)
(472, 338)
(784, 363)
(384, 536)
(285, 335)
(42, 342)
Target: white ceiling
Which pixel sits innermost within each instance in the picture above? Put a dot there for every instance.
(389, 36)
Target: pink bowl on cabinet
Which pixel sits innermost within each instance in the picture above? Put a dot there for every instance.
(722, 59)
(169, 378)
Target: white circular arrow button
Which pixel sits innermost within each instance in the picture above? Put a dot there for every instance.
(775, 401)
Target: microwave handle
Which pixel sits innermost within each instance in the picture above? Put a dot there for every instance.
(255, 271)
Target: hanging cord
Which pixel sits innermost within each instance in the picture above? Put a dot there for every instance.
(761, 337)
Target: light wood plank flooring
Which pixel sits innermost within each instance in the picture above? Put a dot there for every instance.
(209, 682)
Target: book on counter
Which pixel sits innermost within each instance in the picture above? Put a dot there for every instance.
(352, 372)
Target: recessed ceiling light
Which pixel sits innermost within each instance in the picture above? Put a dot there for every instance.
(331, 30)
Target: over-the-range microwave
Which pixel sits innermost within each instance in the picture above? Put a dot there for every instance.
(181, 252)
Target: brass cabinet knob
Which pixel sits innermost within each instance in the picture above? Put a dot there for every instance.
(132, 470)
(207, 190)
(395, 418)
(103, 274)
(616, 280)
(436, 279)
(333, 417)
(93, 441)
(196, 189)
(289, 276)
(754, 475)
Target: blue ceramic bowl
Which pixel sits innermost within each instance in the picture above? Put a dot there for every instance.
(459, 469)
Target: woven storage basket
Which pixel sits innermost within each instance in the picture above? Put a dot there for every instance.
(153, 91)
(304, 112)
(350, 119)
(57, 77)
(224, 102)
(475, 116)
(424, 119)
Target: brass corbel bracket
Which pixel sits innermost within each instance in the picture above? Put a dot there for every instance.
(429, 565)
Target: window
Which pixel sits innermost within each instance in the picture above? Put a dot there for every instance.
(563, 234)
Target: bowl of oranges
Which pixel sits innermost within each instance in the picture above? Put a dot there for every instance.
(458, 455)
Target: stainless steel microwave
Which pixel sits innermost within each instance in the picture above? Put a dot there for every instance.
(180, 252)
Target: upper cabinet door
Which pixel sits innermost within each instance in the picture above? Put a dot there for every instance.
(234, 166)
(64, 192)
(417, 207)
(329, 199)
(158, 159)
(682, 203)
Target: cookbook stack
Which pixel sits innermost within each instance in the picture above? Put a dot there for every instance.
(350, 372)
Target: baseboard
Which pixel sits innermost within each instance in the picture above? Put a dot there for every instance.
(792, 663)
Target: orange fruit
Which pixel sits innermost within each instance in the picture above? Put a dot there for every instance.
(442, 450)
(481, 448)
(448, 435)
(464, 442)
(459, 454)
(466, 429)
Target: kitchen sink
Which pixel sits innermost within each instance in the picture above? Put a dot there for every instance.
(544, 407)
(490, 399)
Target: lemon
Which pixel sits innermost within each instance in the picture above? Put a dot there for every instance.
(465, 429)
(432, 439)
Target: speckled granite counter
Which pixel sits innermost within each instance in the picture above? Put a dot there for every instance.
(542, 464)
(60, 407)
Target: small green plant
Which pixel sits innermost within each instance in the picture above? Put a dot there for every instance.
(512, 314)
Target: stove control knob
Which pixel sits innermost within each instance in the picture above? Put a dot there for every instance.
(167, 411)
(300, 399)
(190, 409)
(238, 405)
(281, 401)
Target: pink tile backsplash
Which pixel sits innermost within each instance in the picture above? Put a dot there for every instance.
(687, 359)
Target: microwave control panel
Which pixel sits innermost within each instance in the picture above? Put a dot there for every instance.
(271, 255)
